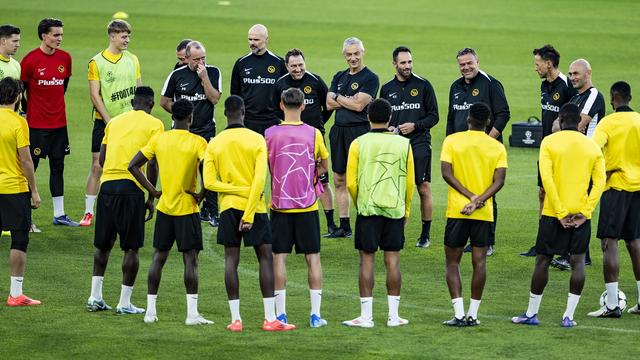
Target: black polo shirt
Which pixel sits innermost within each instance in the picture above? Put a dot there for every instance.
(254, 79)
(348, 85)
(412, 101)
(552, 96)
(483, 88)
(184, 83)
(315, 98)
(591, 102)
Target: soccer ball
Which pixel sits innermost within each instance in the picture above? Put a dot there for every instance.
(622, 299)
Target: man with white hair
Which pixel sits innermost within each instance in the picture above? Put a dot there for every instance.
(350, 93)
(589, 99)
(254, 79)
(201, 84)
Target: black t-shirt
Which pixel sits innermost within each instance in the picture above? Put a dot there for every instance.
(254, 78)
(348, 85)
(315, 98)
(483, 88)
(591, 102)
(184, 83)
(552, 96)
(412, 101)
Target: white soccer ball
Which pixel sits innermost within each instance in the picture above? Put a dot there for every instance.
(622, 299)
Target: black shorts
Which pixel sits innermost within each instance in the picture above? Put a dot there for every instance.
(120, 210)
(554, 239)
(373, 232)
(184, 229)
(49, 142)
(15, 211)
(422, 163)
(97, 135)
(458, 231)
(340, 138)
(260, 126)
(230, 236)
(299, 229)
(619, 215)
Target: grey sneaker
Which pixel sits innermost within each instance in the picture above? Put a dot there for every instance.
(97, 305)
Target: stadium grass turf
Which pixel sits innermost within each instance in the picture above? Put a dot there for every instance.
(503, 32)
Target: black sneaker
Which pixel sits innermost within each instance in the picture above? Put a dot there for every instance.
(204, 215)
(605, 312)
(587, 262)
(530, 253)
(490, 250)
(561, 264)
(467, 248)
(339, 233)
(472, 322)
(215, 221)
(455, 322)
(423, 243)
(331, 229)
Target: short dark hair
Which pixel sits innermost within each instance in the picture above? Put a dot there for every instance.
(292, 52)
(46, 24)
(183, 44)
(10, 89)
(181, 110)
(479, 114)
(7, 30)
(547, 52)
(379, 111)
(622, 88)
(292, 98)
(118, 26)
(569, 115)
(398, 50)
(144, 94)
(233, 106)
(465, 51)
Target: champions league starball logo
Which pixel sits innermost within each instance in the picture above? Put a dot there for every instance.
(527, 138)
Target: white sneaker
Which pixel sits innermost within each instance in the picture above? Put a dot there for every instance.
(359, 322)
(198, 320)
(131, 309)
(34, 229)
(150, 319)
(397, 322)
(634, 310)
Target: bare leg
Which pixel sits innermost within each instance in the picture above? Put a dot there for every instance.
(231, 260)
(155, 271)
(394, 279)
(453, 256)
(366, 279)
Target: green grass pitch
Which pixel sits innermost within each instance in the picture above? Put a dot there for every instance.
(503, 32)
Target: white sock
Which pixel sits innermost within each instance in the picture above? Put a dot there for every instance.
(473, 308)
(269, 309)
(534, 304)
(572, 303)
(281, 301)
(366, 308)
(234, 306)
(458, 307)
(316, 300)
(151, 305)
(192, 305)
(638, 285)
(96, 287)
(16, 286)
(58, 206)
(394, 302)
(125, 296)
(89, 202)
(611, 300)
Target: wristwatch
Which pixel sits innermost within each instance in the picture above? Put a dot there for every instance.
(335, 97)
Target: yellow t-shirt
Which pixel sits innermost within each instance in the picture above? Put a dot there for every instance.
(124, 136)
(320, 152)
(569, 161)
(235, 166)
(9, 67)
(474, 157)
(14, 134)
(94, 74)
(179, 154)
(619, 137)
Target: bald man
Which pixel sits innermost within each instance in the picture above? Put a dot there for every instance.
(589, 99)
(254, 79)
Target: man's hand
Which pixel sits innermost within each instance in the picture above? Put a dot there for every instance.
(407, 128)
(199, 196)
(567, 221)
(201, 70)
(393, 129)
(35, 200)
(578, 219)
(245, 226)
(156, 194)
(469, 208)
(150, 207)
